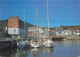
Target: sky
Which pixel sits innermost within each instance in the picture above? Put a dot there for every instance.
(61, 12)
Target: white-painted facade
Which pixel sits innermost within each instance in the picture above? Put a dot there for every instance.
(30, 29)
(66, 32)
(77, 33)
(16, 31)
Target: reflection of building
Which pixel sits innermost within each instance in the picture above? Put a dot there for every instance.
(3, 29)
(16, 26)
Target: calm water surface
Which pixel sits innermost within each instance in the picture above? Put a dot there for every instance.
(68, 48)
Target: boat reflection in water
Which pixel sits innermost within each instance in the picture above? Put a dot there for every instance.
(62, 49)
(17, 52)
(23, 44)
(38, 52)
(48, 51)
(22, 52)
(8, 53)
(27, 52)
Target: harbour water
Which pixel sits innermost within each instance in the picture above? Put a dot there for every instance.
(67, 48)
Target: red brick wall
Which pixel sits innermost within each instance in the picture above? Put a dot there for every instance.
(11, 23)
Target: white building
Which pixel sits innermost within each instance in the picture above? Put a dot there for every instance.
(58, 32)
(30, 29)
(16, 27)
(77, 33)
(35, 31)
(67, 32)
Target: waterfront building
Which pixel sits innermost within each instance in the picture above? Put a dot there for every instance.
(32, 31)
(35, 29)
(51, 33)
(57, 32)
(45, 33)
(67, 32)
(77, 33)
(17, 27)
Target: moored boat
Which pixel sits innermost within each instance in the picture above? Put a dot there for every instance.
(37, 41)
(48, 43)
(36, 44)
(23, 44)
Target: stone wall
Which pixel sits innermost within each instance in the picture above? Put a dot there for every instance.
(7, 45)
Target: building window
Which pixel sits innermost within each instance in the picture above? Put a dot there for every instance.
(78, 31)
(14, 21)
(75, 31)
(64, 32)
(76, 35)
(72, 32)
(79, 35)
(14, 30)
(14, 26)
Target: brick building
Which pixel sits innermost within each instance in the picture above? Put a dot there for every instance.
(16, 27)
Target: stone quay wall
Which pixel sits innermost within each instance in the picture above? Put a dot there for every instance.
(8, 44)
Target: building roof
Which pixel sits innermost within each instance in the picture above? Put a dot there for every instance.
(67, 30)
(14, 17)
(3, 21)
(75, 29)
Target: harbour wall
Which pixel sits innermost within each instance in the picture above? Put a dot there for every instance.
(8, 45)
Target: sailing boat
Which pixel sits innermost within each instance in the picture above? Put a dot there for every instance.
(48, 51)
(37, 42)
(24, 43)
(36, 52)
(48, 42)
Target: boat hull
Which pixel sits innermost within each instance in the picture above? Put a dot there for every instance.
(36, 46)
(49, 45)
(23, 44)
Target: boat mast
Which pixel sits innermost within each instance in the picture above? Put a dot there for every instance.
(47, 16)
(40, 21)
(40, 26)
(37, 21)
(24, 22)
(33, 27)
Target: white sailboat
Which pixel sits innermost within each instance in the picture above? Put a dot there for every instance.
(37, 42)
(48, 42)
